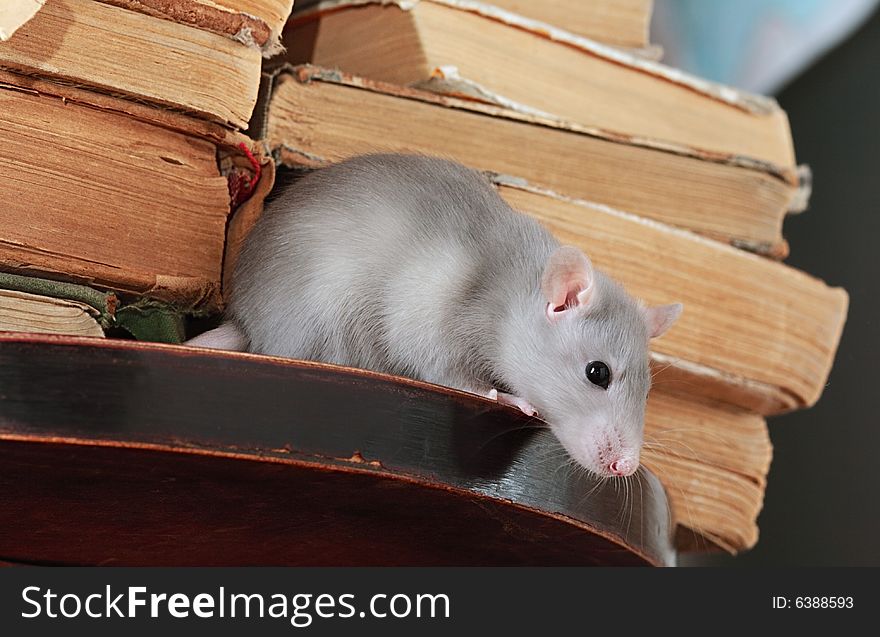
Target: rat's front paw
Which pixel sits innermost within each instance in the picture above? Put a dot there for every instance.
(514, 401)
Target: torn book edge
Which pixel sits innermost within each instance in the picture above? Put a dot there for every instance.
(805, 189)
(245, 28)
(446, 80)
(756, 104)
(307, 73)
(15, 14)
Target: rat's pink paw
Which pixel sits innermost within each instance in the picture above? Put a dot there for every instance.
(514, 401)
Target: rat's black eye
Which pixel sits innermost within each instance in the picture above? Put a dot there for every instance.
(599, 374)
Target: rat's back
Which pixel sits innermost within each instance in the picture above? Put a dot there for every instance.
(378, 262)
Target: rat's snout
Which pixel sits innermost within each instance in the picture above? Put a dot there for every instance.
(623, 466)
(604, 450)
(617, 459)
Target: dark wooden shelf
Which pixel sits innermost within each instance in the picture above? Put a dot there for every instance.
(114, 452)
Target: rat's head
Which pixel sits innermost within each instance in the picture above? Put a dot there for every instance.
(589, 374)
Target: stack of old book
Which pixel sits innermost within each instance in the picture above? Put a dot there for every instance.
(123, 159)
(675, 185)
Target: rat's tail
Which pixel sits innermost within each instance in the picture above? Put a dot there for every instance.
(228, 336)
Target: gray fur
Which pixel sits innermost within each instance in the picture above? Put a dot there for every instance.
(415, 266)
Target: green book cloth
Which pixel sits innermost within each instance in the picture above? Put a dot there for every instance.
(145, 319)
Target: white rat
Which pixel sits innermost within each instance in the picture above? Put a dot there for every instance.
(415, 266)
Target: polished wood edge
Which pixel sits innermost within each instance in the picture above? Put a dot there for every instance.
(347, 465)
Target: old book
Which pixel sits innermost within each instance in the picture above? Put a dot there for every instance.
(250, 22)
(118, 195)
(471, 49)
(23, 312)
(713, 462)
(15, 13)
(327, 115)
(140, 57)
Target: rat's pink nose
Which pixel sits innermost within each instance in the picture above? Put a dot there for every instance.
(622, 467)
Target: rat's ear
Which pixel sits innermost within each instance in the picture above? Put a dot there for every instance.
(568, 281)
(661, 318)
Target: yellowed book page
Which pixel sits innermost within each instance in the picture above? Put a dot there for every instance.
(107, 200)
(24, 312)
(713, 463)
(709, 433)
(250, 22)
(720, 505)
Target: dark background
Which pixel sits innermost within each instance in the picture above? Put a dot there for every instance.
(822, 505)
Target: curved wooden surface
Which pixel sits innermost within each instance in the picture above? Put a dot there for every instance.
(113, 452)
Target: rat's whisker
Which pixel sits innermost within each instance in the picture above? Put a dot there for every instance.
(667, 448)
(655, 371)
